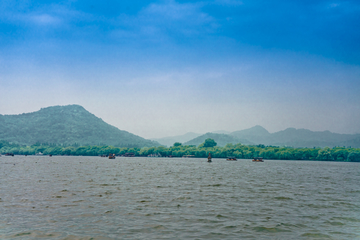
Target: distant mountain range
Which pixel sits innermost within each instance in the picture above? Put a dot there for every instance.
(72, 124)
(298, 138)
(169, 141)
(289, 137)
(68, 125)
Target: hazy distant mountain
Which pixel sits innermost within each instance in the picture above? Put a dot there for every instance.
(355, 142)
(221, 132)
(288, 137)
(169, 141)
(70, 124)
(255, 134)
(306, 138)
(220, 139)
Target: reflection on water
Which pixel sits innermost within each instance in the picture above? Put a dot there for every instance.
(144, 198)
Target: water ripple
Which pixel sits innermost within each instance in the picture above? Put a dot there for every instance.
(138, 198)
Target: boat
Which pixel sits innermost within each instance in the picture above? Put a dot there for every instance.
(231, 159)
(111, 156)
(258, 159)
(209, 158)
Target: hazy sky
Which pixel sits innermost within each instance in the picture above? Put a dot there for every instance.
(163, 68)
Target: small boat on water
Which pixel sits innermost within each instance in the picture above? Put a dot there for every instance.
(231, 159)
(258, 159)
(111, 156)
(209, 158)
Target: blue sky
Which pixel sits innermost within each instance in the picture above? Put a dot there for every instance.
(162, 68)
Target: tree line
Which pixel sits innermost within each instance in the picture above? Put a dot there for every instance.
(178, 150)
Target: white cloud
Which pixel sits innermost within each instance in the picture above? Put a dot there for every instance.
(43, 19)
(47, 15)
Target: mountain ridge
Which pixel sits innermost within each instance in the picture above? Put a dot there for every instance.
(291, 137)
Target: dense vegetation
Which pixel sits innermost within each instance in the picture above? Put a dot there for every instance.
(66, 125)
(209, 146)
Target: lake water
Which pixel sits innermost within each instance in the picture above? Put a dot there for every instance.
(155, 198)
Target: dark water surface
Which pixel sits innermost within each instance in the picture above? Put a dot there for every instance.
(149, 198)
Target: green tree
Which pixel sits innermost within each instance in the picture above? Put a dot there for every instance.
(340, 154)
(325, 154)
(354, 156)
(238, 154)
(163, 151)
(285, 154)
(68, 151)
(209, 142)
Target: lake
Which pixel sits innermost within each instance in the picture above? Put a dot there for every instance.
(63, 197)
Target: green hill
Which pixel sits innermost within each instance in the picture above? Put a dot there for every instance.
(67, 125)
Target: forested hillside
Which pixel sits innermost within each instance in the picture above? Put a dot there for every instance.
(65, 125)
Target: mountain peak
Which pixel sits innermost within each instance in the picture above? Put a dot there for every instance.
(70, 124)
(258, 128)
(71, 108)
(254, 131)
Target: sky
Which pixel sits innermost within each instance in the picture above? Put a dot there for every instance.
(165, 68)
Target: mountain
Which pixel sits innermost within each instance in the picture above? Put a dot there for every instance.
(306, 138)
(355, 142)
(221, 132)
(68, 125)
(220, 139)
(169, 141)
(289, 137)
(254, 134)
